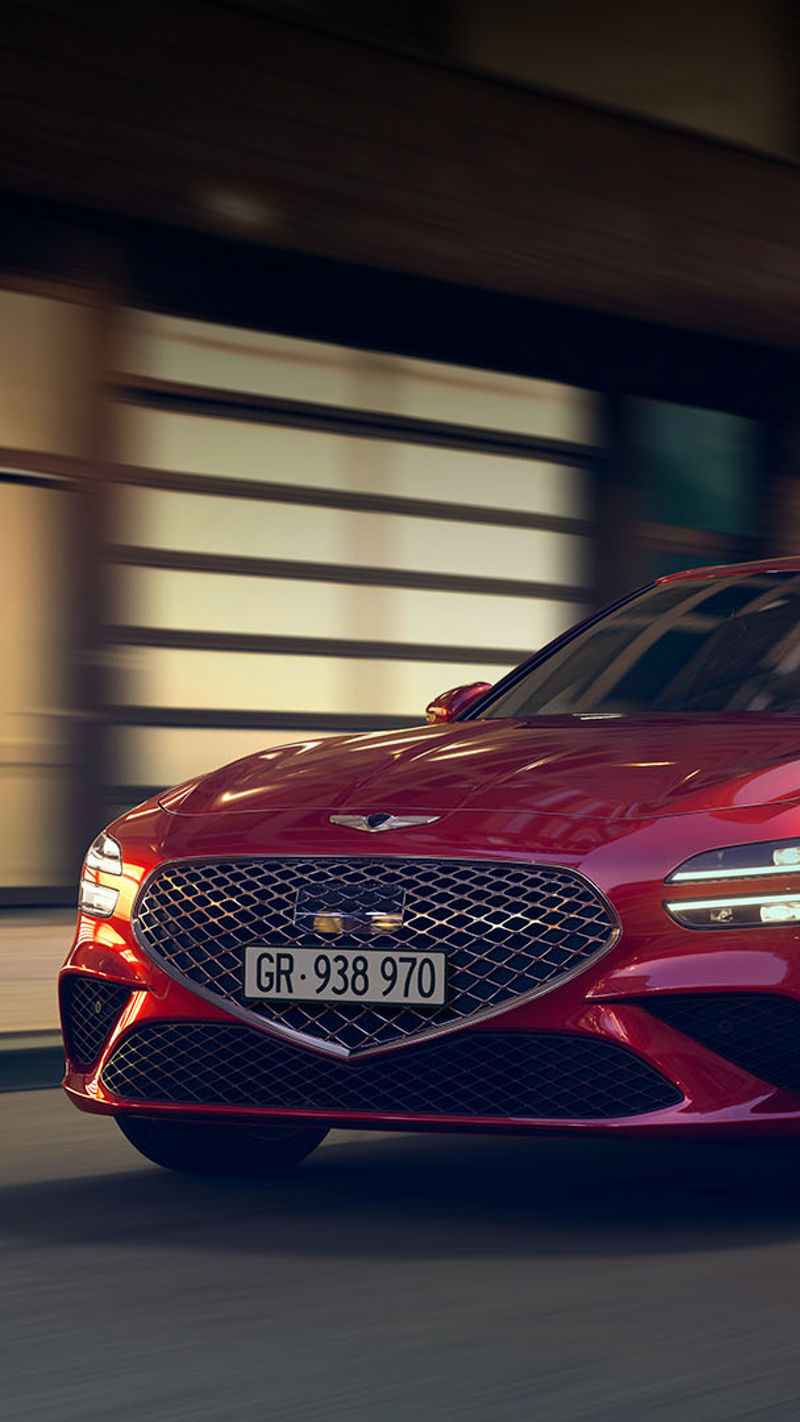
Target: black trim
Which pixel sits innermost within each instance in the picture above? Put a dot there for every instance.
(32, 481)
(193, 717)
(63, 471)
(235, 565)
(222, 404)
(351, 501)
(266, 643)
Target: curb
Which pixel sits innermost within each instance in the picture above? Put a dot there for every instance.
(30, 1061)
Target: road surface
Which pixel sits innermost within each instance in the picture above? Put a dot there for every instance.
(397, 1279)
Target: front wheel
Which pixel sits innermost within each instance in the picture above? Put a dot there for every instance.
(208, 1148)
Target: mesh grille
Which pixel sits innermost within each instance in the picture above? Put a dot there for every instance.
(758, 1031)
(89, 1009)
(542, 1076)
(508, 930)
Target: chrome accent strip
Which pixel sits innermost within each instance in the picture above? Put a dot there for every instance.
(378, 821)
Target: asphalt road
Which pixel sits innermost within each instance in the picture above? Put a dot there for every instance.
(397, 1278)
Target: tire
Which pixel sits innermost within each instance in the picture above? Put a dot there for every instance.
(206, 1148)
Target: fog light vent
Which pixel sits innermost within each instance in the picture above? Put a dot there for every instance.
(90, 1008)
(757, 1031)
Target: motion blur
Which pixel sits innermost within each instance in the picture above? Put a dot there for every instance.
(352, 350)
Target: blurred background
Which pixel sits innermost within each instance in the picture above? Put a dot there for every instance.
(350, 351)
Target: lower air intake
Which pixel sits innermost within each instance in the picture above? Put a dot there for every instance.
(757, 1031)
(542, 1076)
(90, 1008)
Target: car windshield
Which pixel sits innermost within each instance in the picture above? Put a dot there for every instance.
(706, 644)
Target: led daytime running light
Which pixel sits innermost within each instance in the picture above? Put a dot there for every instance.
(685, 904)
(739, 861)
(687, 876)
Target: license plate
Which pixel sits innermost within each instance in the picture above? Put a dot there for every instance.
(343, 975)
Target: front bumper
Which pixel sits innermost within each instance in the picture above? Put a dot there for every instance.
(712, 1086)
(494, 1077)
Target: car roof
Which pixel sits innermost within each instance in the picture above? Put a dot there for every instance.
(723, 570)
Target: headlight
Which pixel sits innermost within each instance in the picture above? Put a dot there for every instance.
(105, 854)
(740, 861)
(736, 912)
(97, 899)
(105, 857)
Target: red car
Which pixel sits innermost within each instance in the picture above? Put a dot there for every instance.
(571, 903)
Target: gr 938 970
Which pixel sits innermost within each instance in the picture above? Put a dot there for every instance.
(348, 975)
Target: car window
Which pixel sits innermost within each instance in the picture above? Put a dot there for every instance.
(696, 645)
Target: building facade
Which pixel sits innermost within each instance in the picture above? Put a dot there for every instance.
(334, 374)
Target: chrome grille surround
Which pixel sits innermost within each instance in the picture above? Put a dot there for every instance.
(511, 930)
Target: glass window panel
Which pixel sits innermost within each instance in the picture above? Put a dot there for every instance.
(214, 603)
(232, 358)
(712, 644)
(44, 357)
(464, 395)
(34, 728)
(155, 676)
(262, 363)
(233, 449)
(33, 822)
(202, 524)
(698, 468)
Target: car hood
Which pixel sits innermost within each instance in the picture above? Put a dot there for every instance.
(585, 766)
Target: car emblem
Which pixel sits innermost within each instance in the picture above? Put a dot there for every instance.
(336, 906)
(369, 922)
(374, 824)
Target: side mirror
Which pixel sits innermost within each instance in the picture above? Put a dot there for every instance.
(451, 703)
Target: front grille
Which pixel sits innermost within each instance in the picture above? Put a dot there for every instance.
(508, 930)
(90, 1008)
(758, 1031)
(540, 1076)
